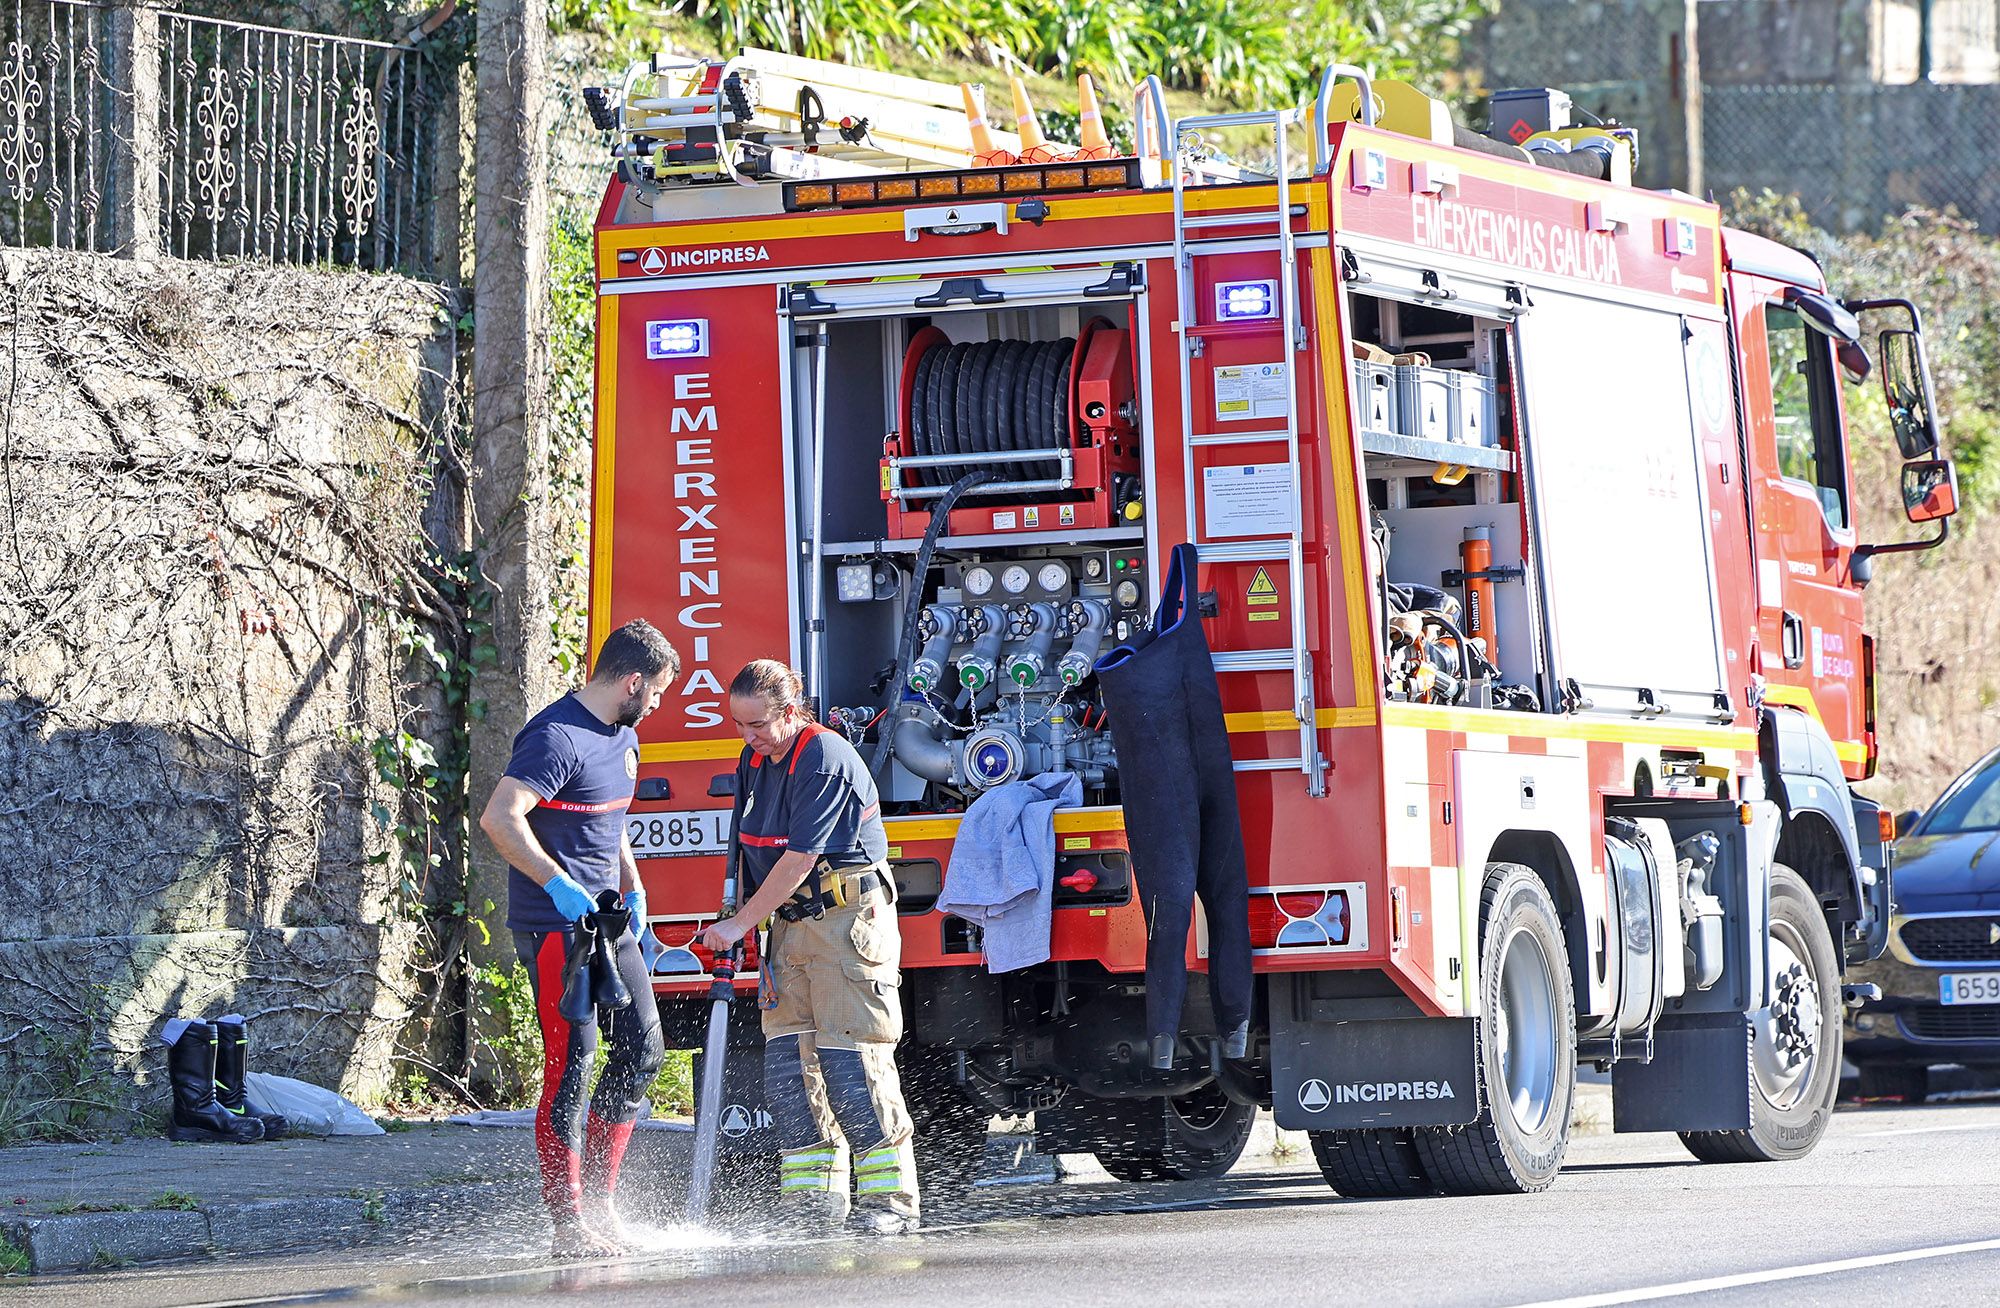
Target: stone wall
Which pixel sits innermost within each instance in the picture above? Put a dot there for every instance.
(216, 619)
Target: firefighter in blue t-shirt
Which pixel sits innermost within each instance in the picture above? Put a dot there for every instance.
(558, 816)
(813, 847)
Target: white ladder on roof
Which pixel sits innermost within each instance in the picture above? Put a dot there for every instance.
(1289, 548)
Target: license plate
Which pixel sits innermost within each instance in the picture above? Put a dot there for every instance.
(678, 835)
(1969, 988)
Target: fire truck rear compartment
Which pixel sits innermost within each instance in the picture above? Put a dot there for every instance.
(1027, 576)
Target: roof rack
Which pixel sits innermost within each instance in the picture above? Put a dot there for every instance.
(764, 115)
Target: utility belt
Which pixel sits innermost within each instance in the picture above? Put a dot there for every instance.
(829, 887)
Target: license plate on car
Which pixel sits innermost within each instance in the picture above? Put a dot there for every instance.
(678, 835)
(1969, 988)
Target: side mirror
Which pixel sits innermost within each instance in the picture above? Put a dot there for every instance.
(1906, 381)
(1905, 820)
(1822, 314)
(1930, 490)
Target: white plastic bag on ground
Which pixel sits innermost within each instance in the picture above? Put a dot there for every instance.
(309, 1109)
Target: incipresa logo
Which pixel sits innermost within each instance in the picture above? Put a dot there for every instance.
(1384, 1092)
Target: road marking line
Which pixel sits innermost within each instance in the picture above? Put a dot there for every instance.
(1680, 1288)
(1910, 1130)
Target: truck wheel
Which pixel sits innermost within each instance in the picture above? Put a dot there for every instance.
(1795, 1043)
(1375, 1164)
(1526, 1053)
(1205, 1132)
(950, 1128)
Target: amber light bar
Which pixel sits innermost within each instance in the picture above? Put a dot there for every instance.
(1041, 179)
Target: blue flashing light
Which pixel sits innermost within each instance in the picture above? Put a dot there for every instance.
(1246, 301)
(686, 338)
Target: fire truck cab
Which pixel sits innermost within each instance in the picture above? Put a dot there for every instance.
(1527, 556)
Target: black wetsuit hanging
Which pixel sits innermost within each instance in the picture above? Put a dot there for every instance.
(1178, 787)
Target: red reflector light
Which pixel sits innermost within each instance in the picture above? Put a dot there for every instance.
(681, 935)
(1299, 919)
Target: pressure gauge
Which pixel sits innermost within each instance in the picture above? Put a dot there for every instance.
(1014, 580)
(1127, 594)
(979, 581)
(1053, 576)
(1093, 567)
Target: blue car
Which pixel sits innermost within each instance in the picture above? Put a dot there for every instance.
(1940, 978)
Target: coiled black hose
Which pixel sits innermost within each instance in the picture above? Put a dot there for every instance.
(992, 397)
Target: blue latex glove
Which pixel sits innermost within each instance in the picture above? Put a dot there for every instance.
(650, 947)
(571, 899)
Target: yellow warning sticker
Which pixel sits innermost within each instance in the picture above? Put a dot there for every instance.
(1263, 617)
(895, 851)
(1100, 912)
(1262, 593)
(1076, 842)
(885, 477)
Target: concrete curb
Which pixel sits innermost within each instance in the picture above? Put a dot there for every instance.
(75, 1242)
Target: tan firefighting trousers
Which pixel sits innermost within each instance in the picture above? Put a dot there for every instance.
(834, 982)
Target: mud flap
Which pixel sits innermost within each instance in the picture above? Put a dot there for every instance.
(1699, 1079)
(1404, 1071)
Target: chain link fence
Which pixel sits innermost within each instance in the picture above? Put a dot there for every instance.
(1795, 99)
(1855, 155)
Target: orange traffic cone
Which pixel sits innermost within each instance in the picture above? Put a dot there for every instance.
(1089, 122)
(1034, 149)
(984, 152)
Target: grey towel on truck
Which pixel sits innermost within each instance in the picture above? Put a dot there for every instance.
(1003, 867)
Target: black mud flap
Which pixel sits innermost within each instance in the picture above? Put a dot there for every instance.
(1699, 1079)
(1399, 1071)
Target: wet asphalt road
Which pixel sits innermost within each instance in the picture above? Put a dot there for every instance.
(1887, 1198)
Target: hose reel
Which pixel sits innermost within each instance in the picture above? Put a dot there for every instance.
(969, 404)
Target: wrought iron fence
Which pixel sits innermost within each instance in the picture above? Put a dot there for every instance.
(57, 132)
(121, 124)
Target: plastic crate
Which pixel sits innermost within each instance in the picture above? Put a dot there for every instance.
(1472, 411)
(1375, 395)
(1423, 401)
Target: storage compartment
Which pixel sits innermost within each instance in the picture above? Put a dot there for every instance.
(1455, 603)
(994, 621)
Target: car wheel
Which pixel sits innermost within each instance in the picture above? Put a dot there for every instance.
(1795, 1042)
(1895, 1081)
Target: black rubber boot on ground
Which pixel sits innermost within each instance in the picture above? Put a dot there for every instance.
(232, 1088)
(191, 1071)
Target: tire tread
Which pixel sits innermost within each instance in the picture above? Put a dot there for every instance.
(1470, 1160)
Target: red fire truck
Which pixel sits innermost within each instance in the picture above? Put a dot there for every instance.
(1527, 556)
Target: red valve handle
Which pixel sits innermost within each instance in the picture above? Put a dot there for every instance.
(1083, 881)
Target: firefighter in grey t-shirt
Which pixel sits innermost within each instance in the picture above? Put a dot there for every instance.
(813, 846)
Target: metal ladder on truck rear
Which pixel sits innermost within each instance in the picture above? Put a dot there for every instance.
(1288, 549)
